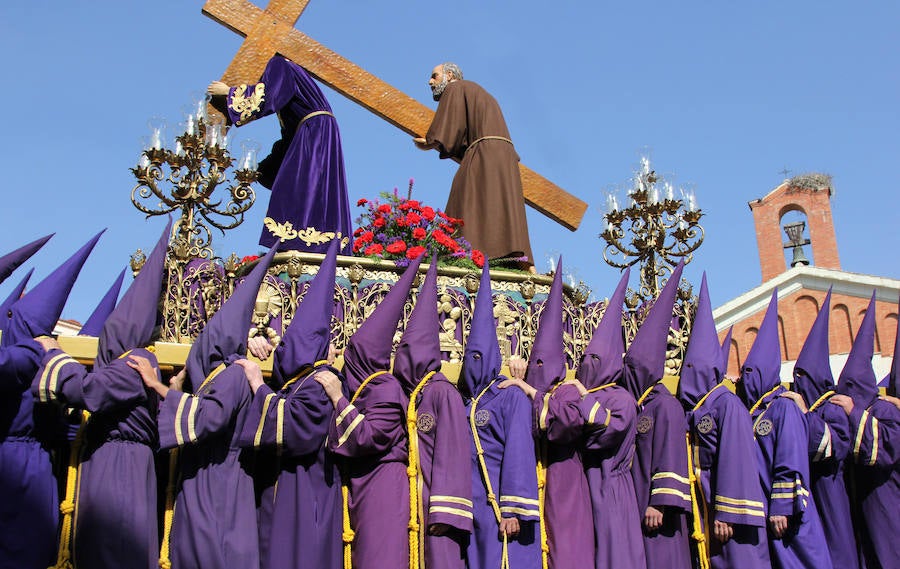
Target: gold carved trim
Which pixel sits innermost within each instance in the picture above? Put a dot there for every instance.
(311, 236)
(246, 105)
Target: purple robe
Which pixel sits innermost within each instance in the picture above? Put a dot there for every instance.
(370, 436)
(119, 444)
(876, 452)
(661, 478)
(829, 447)
(300, 514)
(29, 507)
(445, 482)
(782, 439)
(568, 517)
(724, 455)
(305, 170)
(502, 419)
(214, 525)
(609, 416)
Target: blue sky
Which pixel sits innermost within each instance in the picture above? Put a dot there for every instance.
(725, 95)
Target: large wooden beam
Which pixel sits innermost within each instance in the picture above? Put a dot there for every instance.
(272, 31)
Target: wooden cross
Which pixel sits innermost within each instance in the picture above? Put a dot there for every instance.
(272, 31)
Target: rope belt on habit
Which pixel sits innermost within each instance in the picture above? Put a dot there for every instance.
(313, 114)
(477, 140)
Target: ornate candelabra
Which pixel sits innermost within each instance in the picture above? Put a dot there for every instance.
(195, 169)
(656, 230)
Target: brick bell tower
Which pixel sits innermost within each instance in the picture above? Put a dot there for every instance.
(809, 195)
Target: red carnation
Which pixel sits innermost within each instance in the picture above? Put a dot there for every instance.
(413, 204)
(419, 233)
(412, 218)
(413, 252)
(444, 216)
(362, 201)
(428, 213)
(396, 247)
(478, 257)
(401, 222)
(358, 231)
(374, 249)
(367, 237)
(384, 208)
(378, 221)
(358, 245)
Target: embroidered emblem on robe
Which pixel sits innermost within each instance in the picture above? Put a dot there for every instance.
(764, 427)
(425, 422)
(482, 417)
(644, 425)
(706, 424)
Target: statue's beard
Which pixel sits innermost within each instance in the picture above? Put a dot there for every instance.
(438, 90)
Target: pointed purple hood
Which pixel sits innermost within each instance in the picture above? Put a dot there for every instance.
(547, 362)
(892, 378)
(760, 372)
(307, 337)
(602, 359)
(369, 349)
(14, 295)
(104, 308)
(419, 351)
(131, 323)
(725, 352)
(645, 360)
(226, 332)
(701, 369)
(36, 313)
(11, 261)
(812, 372)
(857, 379)
(481, 361)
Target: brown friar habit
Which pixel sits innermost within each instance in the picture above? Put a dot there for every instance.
(487, 190)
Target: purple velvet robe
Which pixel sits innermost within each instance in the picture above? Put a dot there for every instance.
(782, 437)
(661, 478)
(445, 469)
(214, 525)
(876, 453)
(300, 515)
(116, 493)
(829, 447)
(502, 420)
(305, 170)
(569, 519)
(370, 436)
(29, 507)
(724, 455)
(609, 416)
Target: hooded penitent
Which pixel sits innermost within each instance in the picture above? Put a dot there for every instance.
(547, 362)
(14, 295)
(225, 333)
(132, 321)
(11, 261)
(812, 372)
(857, 379)
(36, 313)
(419, 351)
(645, 360)
(369, 349)
(306, 339)
(761, 370)
(602, 360)
(104, 308)
(701, 369)
(481, 361)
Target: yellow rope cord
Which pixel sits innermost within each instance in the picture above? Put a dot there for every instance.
(485, 475)
(643, 396)
(760, 400)
(67, 506)
(599, 387)
(164, 560)
(821, 400)
(348, 534)
(412, 472)
(541, 452)
(698, 534)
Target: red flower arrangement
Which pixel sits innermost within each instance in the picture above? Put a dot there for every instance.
(400, 229)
